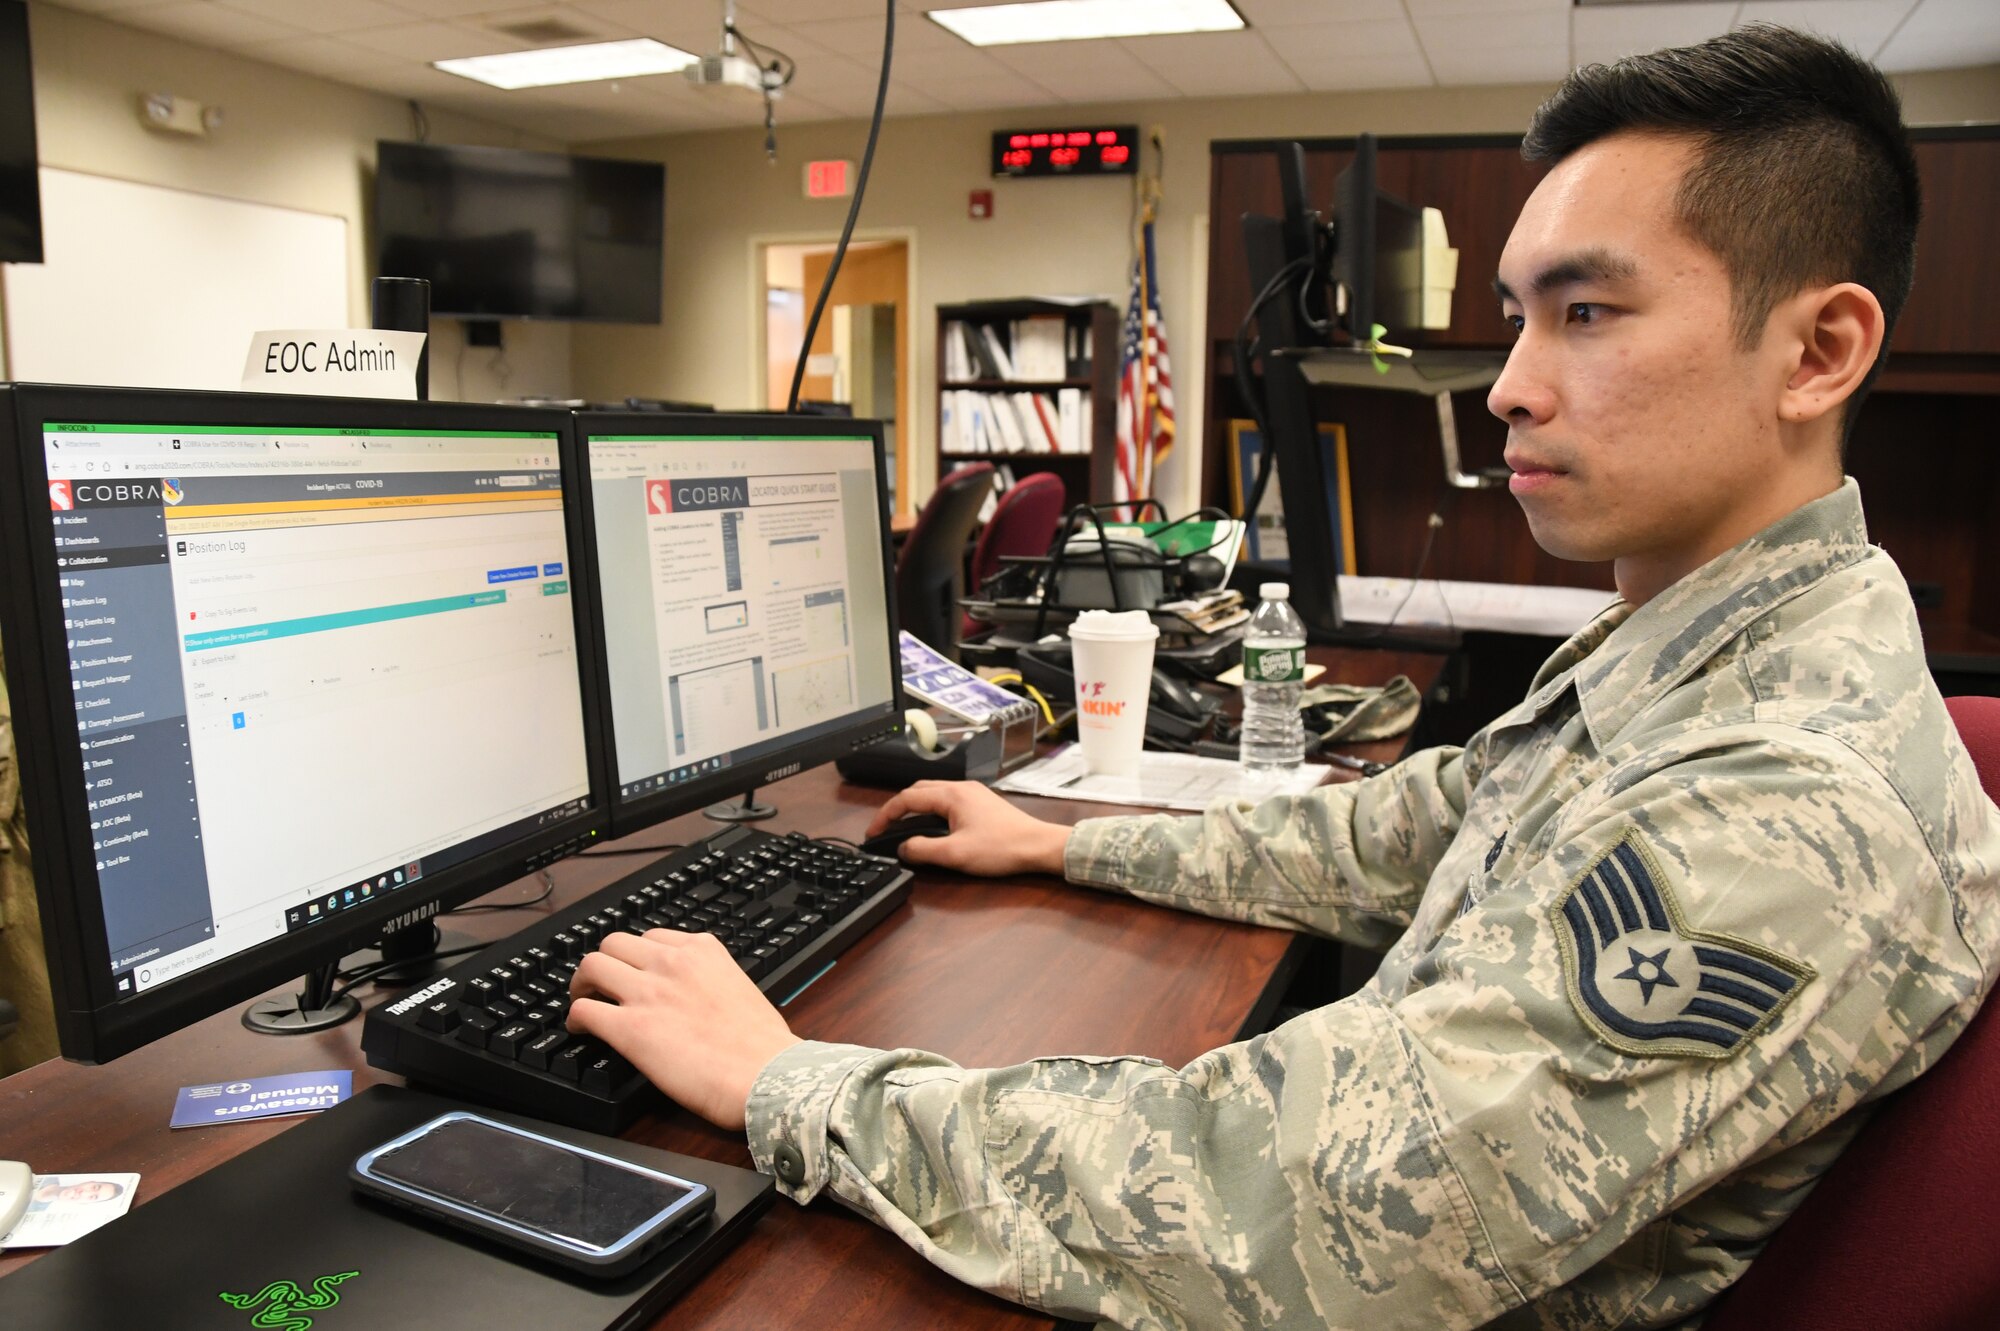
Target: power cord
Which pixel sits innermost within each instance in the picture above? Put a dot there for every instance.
(853, 211)
(548, 886)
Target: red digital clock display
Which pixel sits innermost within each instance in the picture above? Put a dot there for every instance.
(1066, 152)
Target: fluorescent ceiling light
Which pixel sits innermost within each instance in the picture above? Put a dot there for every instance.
(571, 64)
(1082, 20)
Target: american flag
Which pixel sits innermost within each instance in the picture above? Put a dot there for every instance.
(1145, 386)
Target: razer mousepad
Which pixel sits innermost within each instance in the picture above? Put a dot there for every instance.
(279, 1225)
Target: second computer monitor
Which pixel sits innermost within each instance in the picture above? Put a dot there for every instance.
(745, 622)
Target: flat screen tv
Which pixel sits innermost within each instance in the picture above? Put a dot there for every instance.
(20, 190)
(506, 234)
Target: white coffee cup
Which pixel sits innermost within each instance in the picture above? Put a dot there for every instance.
(1112, 653)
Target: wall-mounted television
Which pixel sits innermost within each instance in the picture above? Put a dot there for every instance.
(20, 188)
(504, 234)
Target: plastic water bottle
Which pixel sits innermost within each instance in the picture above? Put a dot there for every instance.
(1274, 665)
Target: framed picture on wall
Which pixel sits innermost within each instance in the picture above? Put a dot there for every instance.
(1266, 541)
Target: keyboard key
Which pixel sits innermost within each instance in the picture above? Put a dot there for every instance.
(759, 961)
(567, 945)
(502, 976)
(507, 1041)
(476, 1027)
(537, 1052)
(570, 1063)
(522, 999)
(439, 1015)
(479, 990)
(605, 1074)
(502, 1010)
(540, 957)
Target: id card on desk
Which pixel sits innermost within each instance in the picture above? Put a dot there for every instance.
(64, 1207)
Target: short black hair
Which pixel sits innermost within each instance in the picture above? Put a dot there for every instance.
(1804, 170)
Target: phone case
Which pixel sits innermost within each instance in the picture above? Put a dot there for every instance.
(604, 1264)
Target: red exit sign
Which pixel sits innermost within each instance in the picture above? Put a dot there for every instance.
(829, 180)
(1082, 150)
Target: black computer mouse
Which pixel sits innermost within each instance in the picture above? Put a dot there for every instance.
(910, 825)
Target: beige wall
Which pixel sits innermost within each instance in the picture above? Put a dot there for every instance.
(1046, 236)
(287, 139)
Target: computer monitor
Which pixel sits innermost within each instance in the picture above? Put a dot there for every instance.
(742, 567)
(1377, 252)
(286, 673)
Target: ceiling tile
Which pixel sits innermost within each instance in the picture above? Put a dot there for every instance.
(1945, 34)
(1336, 57)
(1422, 9)
(1605, 33)
(694, 28)
(787, 12)
(113, 7)
(421, 43)
(329, 57)
(1511, 45)
(319, 16)
(1861, 24)
(1216, 64)
(1100, 71)
(209, 25)
(447, 8)
(1457, 67)
(858, 37)
(1494, 26)
(1282, 13)
(1004, 88)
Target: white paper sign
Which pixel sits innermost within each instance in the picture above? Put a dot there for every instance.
(334, 362)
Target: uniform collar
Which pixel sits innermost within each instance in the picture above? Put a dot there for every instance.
(1625, 660)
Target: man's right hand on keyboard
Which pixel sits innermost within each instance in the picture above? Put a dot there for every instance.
(684, 1013)
(988, 835)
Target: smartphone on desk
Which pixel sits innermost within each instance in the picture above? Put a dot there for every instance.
(587, 1211)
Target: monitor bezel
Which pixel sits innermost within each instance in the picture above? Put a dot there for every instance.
(632, 814)
(93, 1023)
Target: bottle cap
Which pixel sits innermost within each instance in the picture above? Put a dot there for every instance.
(1276, 591)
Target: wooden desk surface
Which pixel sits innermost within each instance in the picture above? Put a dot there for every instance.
(985, 972)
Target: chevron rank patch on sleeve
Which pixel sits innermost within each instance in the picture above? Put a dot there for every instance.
(1645, 982)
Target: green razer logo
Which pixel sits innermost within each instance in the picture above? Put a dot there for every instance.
(287, 1304)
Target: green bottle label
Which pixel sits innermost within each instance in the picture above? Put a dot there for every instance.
(1273, 665)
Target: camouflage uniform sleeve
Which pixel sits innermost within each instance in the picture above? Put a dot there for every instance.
(1458, 1140)
(1348, 860)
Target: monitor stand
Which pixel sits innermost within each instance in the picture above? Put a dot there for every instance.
(746, 811)
(313, 1008)
(417, 951)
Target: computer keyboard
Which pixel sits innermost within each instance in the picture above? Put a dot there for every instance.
(492, 1028)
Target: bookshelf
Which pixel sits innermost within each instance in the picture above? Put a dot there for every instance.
(1037, 348)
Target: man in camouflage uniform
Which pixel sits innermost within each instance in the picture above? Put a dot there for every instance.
(1659, 936)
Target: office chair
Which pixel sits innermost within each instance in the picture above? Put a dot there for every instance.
(930, 572)
(1024, 522)
(1900, 1231)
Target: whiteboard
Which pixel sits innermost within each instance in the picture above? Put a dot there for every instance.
(162, 288)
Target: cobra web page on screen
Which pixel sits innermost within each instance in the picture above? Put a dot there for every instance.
(309, 666)
(743, 594)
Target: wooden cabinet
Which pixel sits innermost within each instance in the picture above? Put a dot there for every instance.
(1087, 475)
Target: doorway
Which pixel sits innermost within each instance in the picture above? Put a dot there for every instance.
(861, 347)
